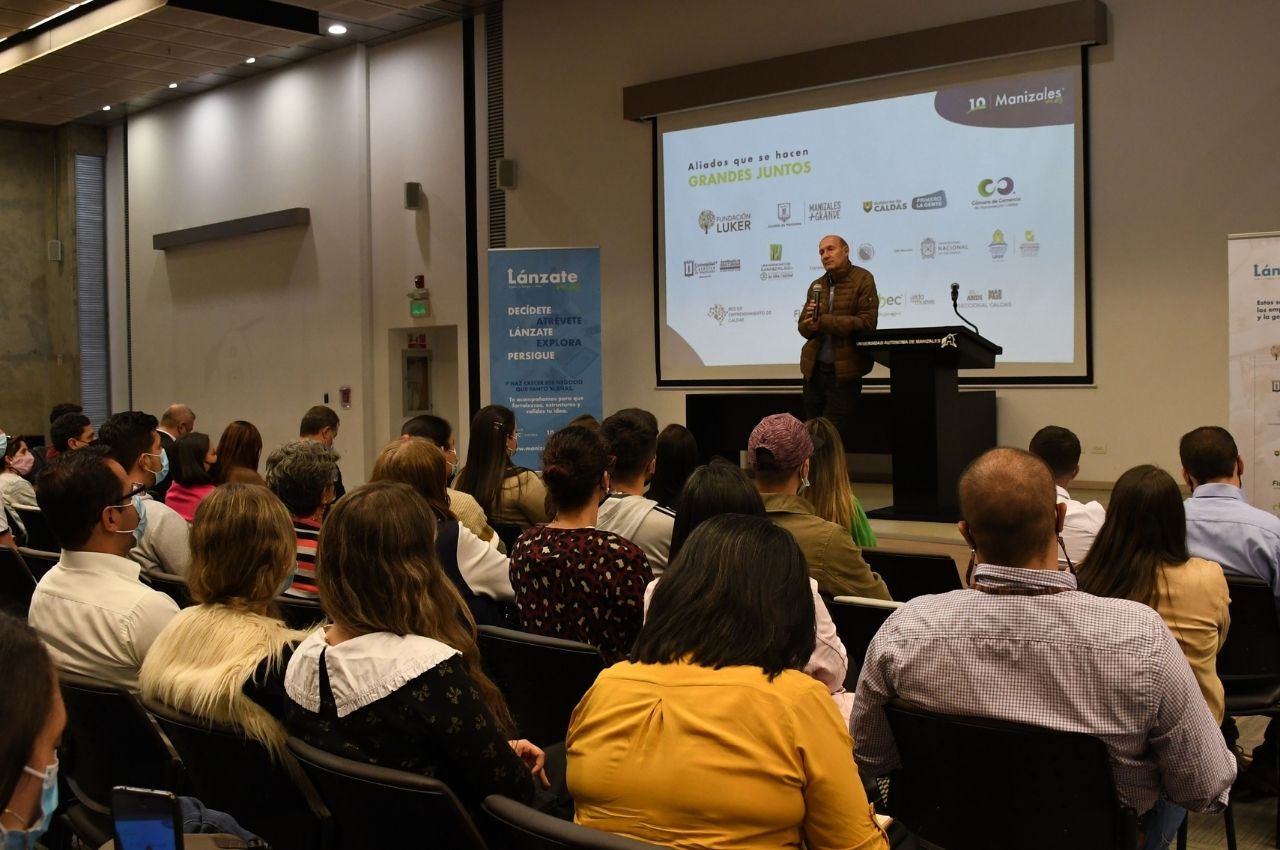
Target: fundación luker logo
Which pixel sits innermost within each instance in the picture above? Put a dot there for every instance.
(731, 223)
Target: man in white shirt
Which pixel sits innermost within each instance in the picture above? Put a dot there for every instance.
(134, 443)
(92, 611)
(1060, 450)
(632, 438)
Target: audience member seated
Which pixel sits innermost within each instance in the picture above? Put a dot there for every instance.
(31, 722)
(239, 449)
(829, 490)
(177, 421)
(1060, 450)
(675, 460)
(320, 425)
(6, 535)
(586, 420)
(724, 489)
(224, 659)
(1244, 541)
(134, 443)
(711, 736)
(193, 460)
(631, 438)
(1141, 554)
(463, 505)
(573, 580)
(779, 450)
(91, 609)
(303, 474)
(396, 679)
(1024, 645)
(477, 569)
(506, 493)
(17, 465)
(69, 432)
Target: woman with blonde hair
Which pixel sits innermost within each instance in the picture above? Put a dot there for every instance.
(396, 679)
(477, 569)
(224, 659)
(829, 490)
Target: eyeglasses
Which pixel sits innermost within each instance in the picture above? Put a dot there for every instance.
(135, 490)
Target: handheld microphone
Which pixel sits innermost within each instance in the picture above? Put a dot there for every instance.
(955, 296)
(815, 297)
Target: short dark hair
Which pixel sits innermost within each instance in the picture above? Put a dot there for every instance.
(1208, 452)
(63, 409)
(428, 427)
(73, 491)
(316, 420)
(66, 427)
(737, 594)
(127, 436)
(28, 699)
(631, 436)
(718, 488)
(188, 460)
(1009, 506)
(1058, 448)
(572, 463)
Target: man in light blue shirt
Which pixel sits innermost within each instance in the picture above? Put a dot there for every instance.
(1245, 541)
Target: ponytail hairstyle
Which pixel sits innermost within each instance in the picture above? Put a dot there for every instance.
(572, 463)
(487, 461)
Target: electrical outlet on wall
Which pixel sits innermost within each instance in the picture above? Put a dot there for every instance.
(1098, 449)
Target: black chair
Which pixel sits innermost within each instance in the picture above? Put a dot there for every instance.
(39, 562)
(109, 740)
(508, 533)
(857, 619)
(39, 535)
(542, 678)
(520, 827)
(232, 773)
(299, 613)
(376, 807)
(969, 783)
(175, 586)
(909, 575)
(16, 583)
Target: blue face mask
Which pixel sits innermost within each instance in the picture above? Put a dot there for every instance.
(17, 839)
(141, 529)
(164, 466)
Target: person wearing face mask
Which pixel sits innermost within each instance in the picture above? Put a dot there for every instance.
(223, 660)
(463, 505)
(18, 463)
(32, 718)
(91, 609)
(571, 579)
(304, 474)
(779, 449)
(134, 443)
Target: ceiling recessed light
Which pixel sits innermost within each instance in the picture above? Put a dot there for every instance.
(106, 108)
(250, 61)
(337, 29)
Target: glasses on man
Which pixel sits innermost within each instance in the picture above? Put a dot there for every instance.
(135, 490)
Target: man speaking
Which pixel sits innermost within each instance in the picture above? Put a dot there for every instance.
(840, 303)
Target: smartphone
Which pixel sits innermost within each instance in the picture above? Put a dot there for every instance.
(145, 819)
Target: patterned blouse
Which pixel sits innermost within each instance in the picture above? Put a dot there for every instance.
(581, 584)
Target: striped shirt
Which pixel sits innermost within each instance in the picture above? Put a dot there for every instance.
(1061, 660)
(304, 577)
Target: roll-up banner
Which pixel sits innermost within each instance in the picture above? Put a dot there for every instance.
(544, 340)
(1253, 274)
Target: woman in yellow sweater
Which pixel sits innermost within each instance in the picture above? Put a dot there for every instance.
(712, 737)
(1141, 554)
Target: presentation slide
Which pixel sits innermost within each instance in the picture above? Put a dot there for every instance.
(974, 184)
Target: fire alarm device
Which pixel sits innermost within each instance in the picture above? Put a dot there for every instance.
(344, 396)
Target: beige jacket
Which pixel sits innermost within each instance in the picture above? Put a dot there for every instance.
(835, 561)
(1192, 599)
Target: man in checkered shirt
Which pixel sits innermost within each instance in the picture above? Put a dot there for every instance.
(1023, 645)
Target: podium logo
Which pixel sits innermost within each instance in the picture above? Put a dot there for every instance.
(933, 201)
(998, 246)
(784, 213)
(1029, 247)
(732, 223)
(1003, 186)
(688, 268)
(891, 205)
(718, 312)
(866, 252)
(775, 252)
(928, 248)
(706, 218)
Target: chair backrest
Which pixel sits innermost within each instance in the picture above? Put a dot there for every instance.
(910, 574)
(377, 807)
(109, 740)
(522, 828)
(175, 586)
(235, 774)
(39, 561)
(857, 619)
(39, 535)
(1251, 652)
(970, 783)
(299, 613)
(16, 583)
(542, 678)
(508, 533)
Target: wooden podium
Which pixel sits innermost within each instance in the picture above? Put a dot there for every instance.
(937, 429)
